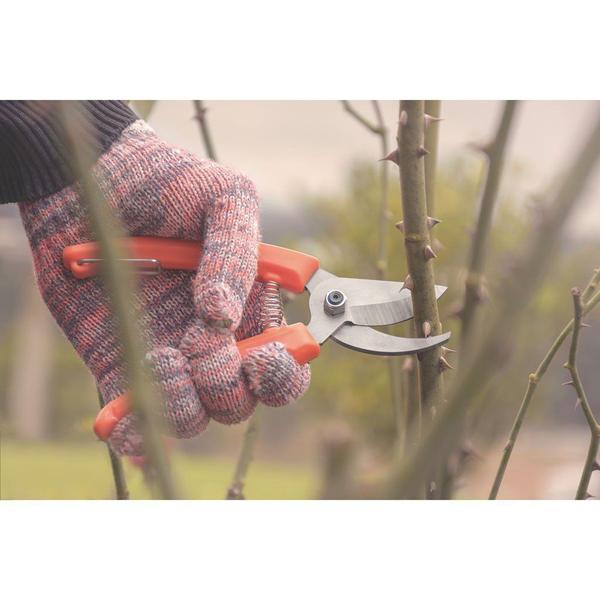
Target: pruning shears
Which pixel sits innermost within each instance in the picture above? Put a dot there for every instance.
(343, 309)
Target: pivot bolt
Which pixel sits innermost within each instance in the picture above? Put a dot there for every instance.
(335, 302)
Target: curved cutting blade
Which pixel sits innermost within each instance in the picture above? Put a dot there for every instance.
(371, 341)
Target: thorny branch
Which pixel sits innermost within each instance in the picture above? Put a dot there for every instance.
(119, 283)
(200, 116)
(419, 253)
(534, 380)
(590, 464)
(495, 152)
(444, 432)
(474, 293)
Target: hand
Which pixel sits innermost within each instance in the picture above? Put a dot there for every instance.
(189, 322)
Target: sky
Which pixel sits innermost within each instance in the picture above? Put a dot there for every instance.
(288, 147)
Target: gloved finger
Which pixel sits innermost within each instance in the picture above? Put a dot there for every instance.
(228, 265)
(274, 377)
(126, 439)
(184, 414)
(216, 370)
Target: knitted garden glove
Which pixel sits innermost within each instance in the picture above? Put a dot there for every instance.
(189, 321)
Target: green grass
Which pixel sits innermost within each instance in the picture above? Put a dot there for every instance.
(56, 471)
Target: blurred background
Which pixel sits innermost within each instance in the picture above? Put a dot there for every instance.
(316, 170)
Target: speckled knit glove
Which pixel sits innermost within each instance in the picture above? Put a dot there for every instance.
(189, 321)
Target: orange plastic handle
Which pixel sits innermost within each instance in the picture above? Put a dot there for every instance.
(296, 338)
(110, 415)
(297, 341)
(290, 269)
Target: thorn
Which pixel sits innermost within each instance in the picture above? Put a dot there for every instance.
(400, 226)
(392, 156)
(444, 365)
(585, 325)
(403, 118)
(432, 222)
(589, 496)
(422, 151)
(408, 283)
(568, 382)
(446, 350)
(432, 487)
(428, 252)
(426, 329)
(429, 119)
(578, 402)
(595, 466)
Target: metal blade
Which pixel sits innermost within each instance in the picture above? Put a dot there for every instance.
(371, 341)
(386, 313)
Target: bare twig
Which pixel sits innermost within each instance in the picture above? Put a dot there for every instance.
(444, 432)
(116, 465)
(534, 379)
(419, 254)
(380, 130)
(200, 116)
(571, 365)
(119, 283)
(495, 152)
(236, 488)
(370, 126)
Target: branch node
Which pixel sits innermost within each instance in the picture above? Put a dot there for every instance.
(426, 329)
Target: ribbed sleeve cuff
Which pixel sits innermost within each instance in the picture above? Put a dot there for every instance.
(34, 160)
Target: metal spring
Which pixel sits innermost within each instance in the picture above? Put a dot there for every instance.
(271, 313)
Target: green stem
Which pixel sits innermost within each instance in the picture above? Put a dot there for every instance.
(433, 108)
(236, 488)
(121, 491)
(571, 366)
(119, 278)
(534, 379)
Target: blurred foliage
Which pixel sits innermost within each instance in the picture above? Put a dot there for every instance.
(82, 471)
